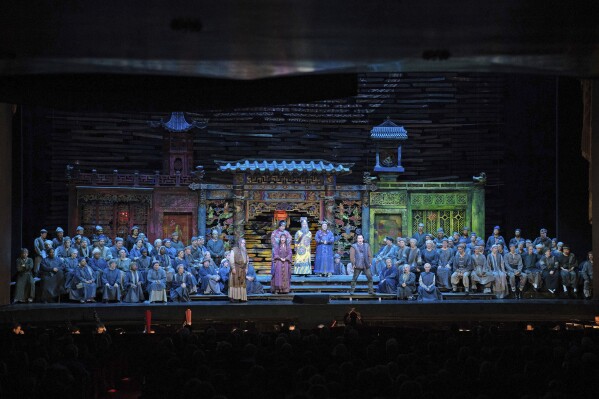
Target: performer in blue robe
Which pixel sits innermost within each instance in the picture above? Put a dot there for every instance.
(71, 264)
(182, 285)
(419, 235)
(170, 250)
(199, 249)
(223, 271)
(387, 251)
(444, 265)
(430, 255)
(84, 283)
(144, 263)
(403, 250)
(112, 278)
(156, 283)
(209, 279)
(406, 284)
(323, 263)
(180, 260)
(339, 268)
(253, 286)
(388, 278)
(494, 239)
(64, 251)
(216, 247)
(440, 236)
(52, 271)
(414, 259)
(135, 251)
(133, 285)
(427, 290)
(59, 240)
(118, 246)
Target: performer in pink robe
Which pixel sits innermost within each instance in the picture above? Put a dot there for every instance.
(281, 269)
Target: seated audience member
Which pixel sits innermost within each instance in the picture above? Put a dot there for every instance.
(156, 283)
(406, 285)
(84, 283)
(53, 278)
(208, 279)
(427, 289)
(568, 269)
(112, 279)
(461, 266)
(481, 273)
(182, 285)
(25, 287)
(133, 285)
(514, 269)
(550, 267)
(388, 278)
(586, 272)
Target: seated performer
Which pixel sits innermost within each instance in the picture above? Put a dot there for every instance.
(156, 283)
(223, 271)
(481, 273)
(586, 272)
(132, 238)
(135, 250)
(427, 290)
(461, 266)
(85, 283)
(253, 286)
(71, 264)
(144, 262)
(123, 262)
(430, 255)
(338, 266)
(406, 285)
(444, 263)
(494, 239)
(530, 262)
(388, 278)
(389, 250)
(496, 264)
(514, 268)
(414, 259)
(568, 269)
(133, 285)
(182, 285)
(25, 288)
(402, 252)
(208, 279)
(216, 247)
(112, 278)
(550, 267)
(53, 279)
(281, 269)
(440, 237)
(543, 240)
(176, 243)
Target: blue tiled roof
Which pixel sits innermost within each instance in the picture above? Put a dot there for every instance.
(388, 131)
(273, 166)
(178, 123)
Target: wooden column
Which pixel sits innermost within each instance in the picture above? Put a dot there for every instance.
(238, 206)
(202, 212)
(329, 198)
(595, 181)
(6, 201)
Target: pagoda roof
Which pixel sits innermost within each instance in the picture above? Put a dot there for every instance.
(280, 166)
(388, 130)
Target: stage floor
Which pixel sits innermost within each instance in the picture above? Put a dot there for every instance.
(268, 313)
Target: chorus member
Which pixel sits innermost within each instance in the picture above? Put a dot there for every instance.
(406, 285)
(112, 280)
(497, 265)
(133, 285)
(472, 244)
(123, 262)
(515, 269)
(224, 271)
(239, 261)
(361, 259)
(402, 252)
(119, 245)
(389, 250)
(170, 250)
(154, 252)
(40, 249)
(132, 237)
(414, 258)
(481, 272)
(543, 239)
(176, 242)
(338, 266)
(586, 272)
(135, 250)
(568, 269)
(444, 264)
(494, 239)
(440, 237)
(99, 233)
(182, 285)
(85, 251)
(209, 279)
(388, 278)
(464, 236)
(427, 289)
(98, 265)
(419, 235)
(104, 250)
(253, 286)
(216, 247)
(302, 263)
(144, 262)
(430, 255)
(25, 287)
(59, 239)
(200, 251)
(53, 279)
(280, 282)
(84, 283)
(517, 238)
(325, 239)
(64, 250)
(180, 260)
(530, 262)
(156, 283)
(550, 267)
(461, 267)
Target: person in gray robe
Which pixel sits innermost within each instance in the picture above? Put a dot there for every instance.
(112, 280)
(430, 255)
(176, 242)
(543, 240)
(387, 251)
(568, 269)
(414, 259)
(64, 251)
(84, 283)
(58, 240)
(586, 272)
(52, 270)
(388, 278)
(444, 264)
(209, 279)
(156, 283)
(71, 264)
(25, 287)
(223, 271)
(216, 247)
(481, 273)
(497, 265)
(427, 288)
(253, 286)
(514, 268)
(200, 249)
(532, 268)
(105, 251)
(85, 251)
(402, 252)
(133, 285)
(182, 285)
(419, 235)
(119, 245)
(338, 266)
(461, 267)
(550, 267)
(406, 284)
(440, 237)
(40, 250)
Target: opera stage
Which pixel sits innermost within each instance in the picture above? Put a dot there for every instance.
(264, 314)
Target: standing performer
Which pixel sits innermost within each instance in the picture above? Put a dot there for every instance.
(302, 240)
(239, 261)
(25, 289)
(324, 250)
(361, 258)
(281, 270)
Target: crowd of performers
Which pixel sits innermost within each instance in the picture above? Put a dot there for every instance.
(423, 266)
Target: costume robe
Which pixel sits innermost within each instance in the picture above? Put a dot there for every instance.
(112, 277)
(25, 287)
(156, 285)
(427, 290)
(281, 270)
(239, 261)
(52, 282)
(133, 286)
(388, 280)
(409, 279)
(252, 283)
(303, 258)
